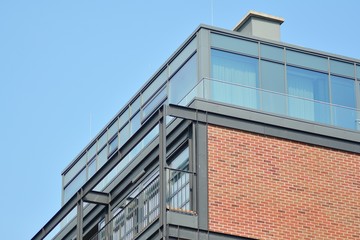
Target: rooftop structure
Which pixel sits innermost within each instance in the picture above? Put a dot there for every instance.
(236, 136)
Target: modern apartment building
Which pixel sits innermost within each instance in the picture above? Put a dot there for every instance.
(236, 136)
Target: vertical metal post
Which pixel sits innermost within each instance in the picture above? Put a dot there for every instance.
(80, 217)
(162, 174)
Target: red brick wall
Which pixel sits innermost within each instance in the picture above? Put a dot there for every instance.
(269, 188)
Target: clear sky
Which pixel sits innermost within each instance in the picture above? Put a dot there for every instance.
(67, 67)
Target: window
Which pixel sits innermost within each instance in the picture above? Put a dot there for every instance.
(273, 82)
(183, 81)
(179, 182)
(343, 95)
(308, 95)
(235, 79)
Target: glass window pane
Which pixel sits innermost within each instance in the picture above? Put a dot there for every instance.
(342, 68)
(124, 134)
(135, 106)
(181, 161)
(183, 81)
(234, 44)
(92, 168)
(102, 158)
(181, 58)
(308, 95)
(135, 123)
(113, 145)
(343, 94)
(235, 79)
(358, 72)
(75, 185)
(75, 169)
(306, 60)
(114, 128)
(102, 140)
(155, 102)
(124, 118)
(154, 86)
(273, 80)
(271, 52)
(92, 151)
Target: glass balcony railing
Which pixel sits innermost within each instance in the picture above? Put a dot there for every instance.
(275, 103)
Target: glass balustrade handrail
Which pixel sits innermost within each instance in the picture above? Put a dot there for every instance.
(283, 104)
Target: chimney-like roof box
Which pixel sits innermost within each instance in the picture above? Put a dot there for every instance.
(260, 25)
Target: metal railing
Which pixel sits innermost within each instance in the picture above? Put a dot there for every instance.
(179, 190)
(134, 217)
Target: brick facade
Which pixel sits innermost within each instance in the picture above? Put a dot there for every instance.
(270, 188)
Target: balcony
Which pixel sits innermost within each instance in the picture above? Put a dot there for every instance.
(275, 103)
(143, 209)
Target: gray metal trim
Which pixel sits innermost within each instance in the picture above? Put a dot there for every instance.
(176, 231)
(202, 174)
(263, 123)
(97, 198)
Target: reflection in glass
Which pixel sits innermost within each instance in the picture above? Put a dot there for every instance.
(237, 70)
(74, 185)
(271, 52)
(234, 44)
(155, 102)
(135, 123)
(183, 81)
(273, 80)
(154, 86)
(308, 86)
(124, 135)
(92, 168)
(306, 60)
(113, 145)
(342, 68)
(343, 93)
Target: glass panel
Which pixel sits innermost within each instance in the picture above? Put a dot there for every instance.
(155, 102)
(135, 123)
(273, 80)
(358, 72)
(92, 168)
(181, 161)
(102, 140)
(343, 93)
(234, 44)
(342, 68)
(271, 52)
(75, 185)
(75, 169)
(92, 151)
(238, 70)
(154, 86)
(102, 158)
(113, 145)
(135, 106)
(306, 60)
(124, 134)
(183, 81)
(124, 118)
(114, 128)
(181, 58)
(307, 86)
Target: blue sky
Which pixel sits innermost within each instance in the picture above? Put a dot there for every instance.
(67, 67)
